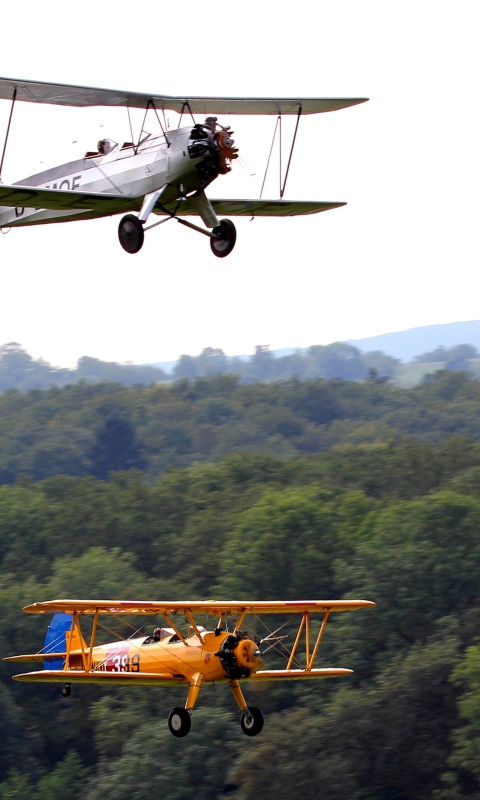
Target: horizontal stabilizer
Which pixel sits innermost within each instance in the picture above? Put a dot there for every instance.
(37, 657)
(113, 678)
(298, 674)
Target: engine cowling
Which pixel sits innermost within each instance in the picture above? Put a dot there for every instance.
(213, 144)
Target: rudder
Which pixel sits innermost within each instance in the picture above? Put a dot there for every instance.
(56, 639)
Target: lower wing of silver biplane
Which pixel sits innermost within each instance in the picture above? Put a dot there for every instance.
(191, 659)
(96, 204)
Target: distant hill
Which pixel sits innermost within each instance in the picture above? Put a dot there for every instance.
(405, 345)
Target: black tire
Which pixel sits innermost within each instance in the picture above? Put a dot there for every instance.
(252, 721)
(179, 722)
(66, 690)
(131, 233)
(225, 238)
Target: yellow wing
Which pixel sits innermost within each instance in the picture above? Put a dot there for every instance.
(214, 607)
(107, 678)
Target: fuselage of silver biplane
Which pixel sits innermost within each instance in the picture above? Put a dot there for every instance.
(129, 170)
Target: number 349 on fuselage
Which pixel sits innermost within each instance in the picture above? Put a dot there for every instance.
(165, 174)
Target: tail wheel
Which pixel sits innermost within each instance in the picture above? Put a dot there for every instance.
(66, 690)
(131, 233)
(252, 721)
(223, 241)
(179, 722)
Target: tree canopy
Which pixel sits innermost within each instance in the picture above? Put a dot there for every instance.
(212, 488)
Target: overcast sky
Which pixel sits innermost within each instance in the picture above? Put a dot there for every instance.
(404, 252)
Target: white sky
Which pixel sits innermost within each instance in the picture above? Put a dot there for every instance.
(403, 253)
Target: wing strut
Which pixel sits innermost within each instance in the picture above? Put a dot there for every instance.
(150, 104)
(305, 625)
(8, 129)
(278, 126)
(185, 105)
(282, 190)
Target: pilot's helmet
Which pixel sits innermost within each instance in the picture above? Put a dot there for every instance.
(157, 633)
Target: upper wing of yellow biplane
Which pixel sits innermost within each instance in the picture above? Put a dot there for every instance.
(214, 607)
(70, 95)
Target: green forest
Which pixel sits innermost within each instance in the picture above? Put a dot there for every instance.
(212, 487)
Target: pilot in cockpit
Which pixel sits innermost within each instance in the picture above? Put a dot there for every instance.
(104, 147)
(155, 637)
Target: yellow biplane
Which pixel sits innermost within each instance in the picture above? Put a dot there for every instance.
(172, 657)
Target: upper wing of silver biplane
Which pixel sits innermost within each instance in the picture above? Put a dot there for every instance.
(214, 607)
(70, 95)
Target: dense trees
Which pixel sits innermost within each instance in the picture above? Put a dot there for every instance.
(99, 429)
(212, 488)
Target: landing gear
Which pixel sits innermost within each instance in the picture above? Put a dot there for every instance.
(223, 241)
(179, 722)
(251, 721)
(66, 690)
(252, 718)
(131, 233)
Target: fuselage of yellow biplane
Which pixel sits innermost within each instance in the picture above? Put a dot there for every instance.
(168, 658)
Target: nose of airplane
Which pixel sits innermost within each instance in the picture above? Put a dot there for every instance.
(247, 654)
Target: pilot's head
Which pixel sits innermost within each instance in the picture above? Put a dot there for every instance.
(157, 634)
(103, 146)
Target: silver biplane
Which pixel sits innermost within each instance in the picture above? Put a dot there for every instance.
(165, 174)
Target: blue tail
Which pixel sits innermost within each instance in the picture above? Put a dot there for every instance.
(56, 640)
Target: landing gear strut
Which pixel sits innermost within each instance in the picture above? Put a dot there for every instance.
(131, 234)
(224, 238)
(252, 718)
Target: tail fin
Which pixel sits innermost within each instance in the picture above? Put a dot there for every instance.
(56, 639)
(77, 642)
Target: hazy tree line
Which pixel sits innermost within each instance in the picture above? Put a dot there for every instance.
(18, 370)
(211, 488)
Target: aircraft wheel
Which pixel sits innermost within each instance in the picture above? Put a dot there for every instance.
(225, 238)
(131, 233)
(66, 690)
(252, 721)
(179, 722)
